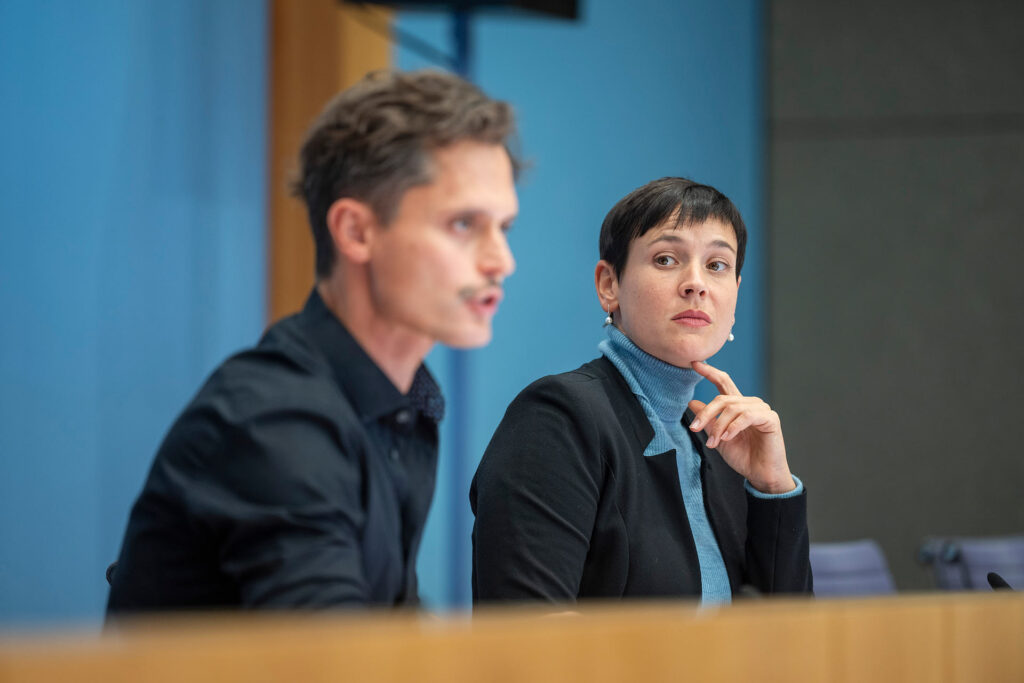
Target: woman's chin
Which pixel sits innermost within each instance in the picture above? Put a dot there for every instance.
(680, 353)
(686, 360)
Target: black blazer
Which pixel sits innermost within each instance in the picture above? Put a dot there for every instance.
(567, 506)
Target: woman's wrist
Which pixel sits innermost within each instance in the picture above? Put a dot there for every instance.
(774, 487)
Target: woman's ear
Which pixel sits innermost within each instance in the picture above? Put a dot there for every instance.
(352, 225)
(607, 285)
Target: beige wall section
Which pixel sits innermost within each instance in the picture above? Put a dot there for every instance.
(318, 47)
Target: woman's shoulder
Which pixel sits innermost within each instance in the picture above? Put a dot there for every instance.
(594, 384)
(588, 376)
(558, 419)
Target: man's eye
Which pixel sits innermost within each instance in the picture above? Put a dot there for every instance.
(461, 224)
(664, 260)
(717, 266)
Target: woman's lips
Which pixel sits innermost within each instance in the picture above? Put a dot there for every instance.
(692, 318)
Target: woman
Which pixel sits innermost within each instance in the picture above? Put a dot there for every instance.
(610, 480)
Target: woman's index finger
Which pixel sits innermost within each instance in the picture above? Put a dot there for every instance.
(720, 378)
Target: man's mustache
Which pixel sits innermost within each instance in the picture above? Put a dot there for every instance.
(470, 293)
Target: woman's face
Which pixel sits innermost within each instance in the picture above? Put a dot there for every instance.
(676, 298)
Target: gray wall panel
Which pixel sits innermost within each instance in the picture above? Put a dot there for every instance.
(896, 329)
(899, 58)
(897, 196)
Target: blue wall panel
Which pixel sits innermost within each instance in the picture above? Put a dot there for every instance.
(132, 194)
(632, 92)
(132, 232)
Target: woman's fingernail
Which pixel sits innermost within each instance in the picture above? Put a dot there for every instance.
(695, 425)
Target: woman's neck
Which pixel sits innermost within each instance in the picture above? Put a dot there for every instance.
(666, 387)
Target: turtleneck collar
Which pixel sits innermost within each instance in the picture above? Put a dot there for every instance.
(666, 388)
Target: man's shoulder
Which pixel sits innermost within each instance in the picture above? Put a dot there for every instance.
(284, 372)
(263, 421)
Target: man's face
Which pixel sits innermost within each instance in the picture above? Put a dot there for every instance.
(677, 294)
(436, 270)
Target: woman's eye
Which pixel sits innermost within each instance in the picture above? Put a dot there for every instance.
(717, 266)
(664, 260)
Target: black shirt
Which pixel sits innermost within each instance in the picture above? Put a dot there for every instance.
(299, 476)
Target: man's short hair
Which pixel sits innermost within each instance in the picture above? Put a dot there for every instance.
(683, 200)
(373, 142)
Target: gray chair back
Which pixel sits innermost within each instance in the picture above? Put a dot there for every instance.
(963, 563)
(850, 569)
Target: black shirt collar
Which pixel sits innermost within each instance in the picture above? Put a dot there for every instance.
(371, 392)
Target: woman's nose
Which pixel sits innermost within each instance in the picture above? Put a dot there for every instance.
(693, 283)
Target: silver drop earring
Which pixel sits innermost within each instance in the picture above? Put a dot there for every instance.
(732, 337)
(607, 319)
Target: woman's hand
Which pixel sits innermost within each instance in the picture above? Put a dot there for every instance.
(745, 430)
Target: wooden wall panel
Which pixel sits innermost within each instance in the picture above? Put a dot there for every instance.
(318, 47)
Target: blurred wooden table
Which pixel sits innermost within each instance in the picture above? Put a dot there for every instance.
(942, 637)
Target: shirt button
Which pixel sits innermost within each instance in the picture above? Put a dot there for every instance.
(403, 417)
(394, 454)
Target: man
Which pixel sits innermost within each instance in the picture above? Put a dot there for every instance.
(301, 474)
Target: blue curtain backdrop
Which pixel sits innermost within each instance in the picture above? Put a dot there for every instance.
(632, 92)
(132, 233)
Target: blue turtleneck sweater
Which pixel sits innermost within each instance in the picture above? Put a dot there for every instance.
(664, 392)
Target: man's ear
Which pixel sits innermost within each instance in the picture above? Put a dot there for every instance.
(607, 286)
(353, 226)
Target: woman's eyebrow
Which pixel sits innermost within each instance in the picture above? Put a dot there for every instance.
(669, 237)
(666, 237)
(724, 244)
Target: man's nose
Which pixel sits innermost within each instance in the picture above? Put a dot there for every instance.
(496, 260)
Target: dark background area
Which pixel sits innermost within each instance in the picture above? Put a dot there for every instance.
(896, 189)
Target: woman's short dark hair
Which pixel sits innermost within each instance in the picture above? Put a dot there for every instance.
(373, 142)
(646, 207)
